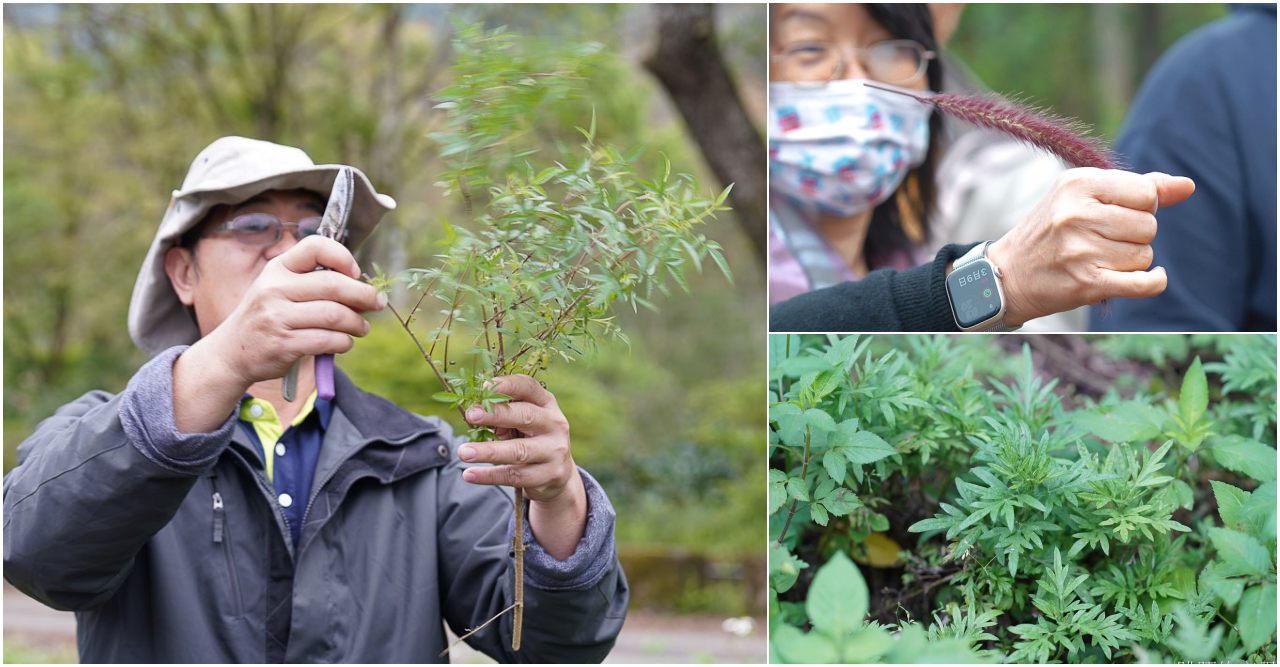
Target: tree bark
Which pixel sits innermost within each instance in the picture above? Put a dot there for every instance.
(687, 62)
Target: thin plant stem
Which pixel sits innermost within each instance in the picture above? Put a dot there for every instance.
(477, 629)
(795, 504)
(518, 545)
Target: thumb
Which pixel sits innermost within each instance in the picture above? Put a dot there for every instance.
(1172, 189)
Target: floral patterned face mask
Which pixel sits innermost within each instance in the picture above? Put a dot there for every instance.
(842, 148)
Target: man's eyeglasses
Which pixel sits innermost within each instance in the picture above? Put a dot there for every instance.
(264, 229)
(815, 63)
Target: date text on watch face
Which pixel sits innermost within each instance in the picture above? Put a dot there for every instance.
(973, 292)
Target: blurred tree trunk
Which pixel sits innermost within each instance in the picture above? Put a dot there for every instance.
(1112, 62)
(1150, 27)
(687, 61)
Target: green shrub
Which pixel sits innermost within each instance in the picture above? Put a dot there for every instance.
(1066, 527)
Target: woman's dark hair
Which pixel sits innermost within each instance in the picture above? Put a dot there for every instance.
(902, 221)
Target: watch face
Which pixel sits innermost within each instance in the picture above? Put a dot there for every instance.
(973, 293)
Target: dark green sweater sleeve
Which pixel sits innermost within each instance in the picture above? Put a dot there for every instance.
(886, 300)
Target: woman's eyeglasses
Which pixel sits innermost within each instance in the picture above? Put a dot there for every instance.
(894, 61)
(264, 229)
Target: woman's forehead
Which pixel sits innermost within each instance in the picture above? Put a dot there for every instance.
(846, 20)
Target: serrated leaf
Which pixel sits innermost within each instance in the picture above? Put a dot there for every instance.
(1256, 618)
(1240, 553)
(796, 489)
(838, 597)
(1246, 457)
(841, 501)
(834, 463)
(1230, 500)
(795, 646)
(1131, 421)
(784, 568)
(1193, 400)
(862, 447)
(819, 514)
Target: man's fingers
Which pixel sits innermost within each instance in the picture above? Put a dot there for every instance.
(1123, 188)
(1172, 189)
(520, 451)
(333, 286)
(314, 251)
(320, 341)
(1119, 223)
(1133, 284)
(1119, 256)
(526, 418)
(510, 475)
(522, 388)
(325, 315)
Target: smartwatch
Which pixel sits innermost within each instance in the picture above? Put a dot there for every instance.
(975, 293)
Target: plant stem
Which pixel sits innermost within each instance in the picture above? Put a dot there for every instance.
(518, 545)
(795, 503)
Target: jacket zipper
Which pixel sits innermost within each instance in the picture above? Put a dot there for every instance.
(317, 488)
(219, 537)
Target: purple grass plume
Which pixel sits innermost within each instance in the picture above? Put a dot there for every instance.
(1066, 138)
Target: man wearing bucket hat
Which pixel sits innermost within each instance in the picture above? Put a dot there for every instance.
(199, 516)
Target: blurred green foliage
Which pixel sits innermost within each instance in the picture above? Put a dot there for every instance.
(105, 106)
(1084, 61)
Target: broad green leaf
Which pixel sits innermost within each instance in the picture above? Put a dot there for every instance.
(1259, 511)
(790, 419)
(1131, 421)
(1213, 579)
(819, 421)
(819, 514)
(1240, 553)
(1230, 500)
(1193, 400)
(862, 447)
(867, 645)
(835, 465)
(841, 501)
(1246, 457)
(1256, 618)
(784, 568)
(838, 597)
(796, 489)
(777, 490)
(794, 646)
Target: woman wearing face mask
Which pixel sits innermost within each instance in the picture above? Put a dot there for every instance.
(851, 190)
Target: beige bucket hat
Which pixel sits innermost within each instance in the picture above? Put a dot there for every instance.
(229, 171)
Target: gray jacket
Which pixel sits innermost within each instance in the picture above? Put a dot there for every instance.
(172, 548)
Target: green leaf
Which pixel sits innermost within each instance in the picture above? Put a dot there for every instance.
(862, 447)
(1246, 457)
(841, 501)
(777, 490)
(868, 645)
(835, 465)
(790, 419)
(819, 421)
(1240, 553)
(1230, 500)
(838, 597)
(796, 489)
(795, 646)
(1131, 421)
(1193, 400)
(1212, 579)
(784, 568)
(1256, 618)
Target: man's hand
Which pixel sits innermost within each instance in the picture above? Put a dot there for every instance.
(291, 310)
(533, 453)
(1088, 240)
